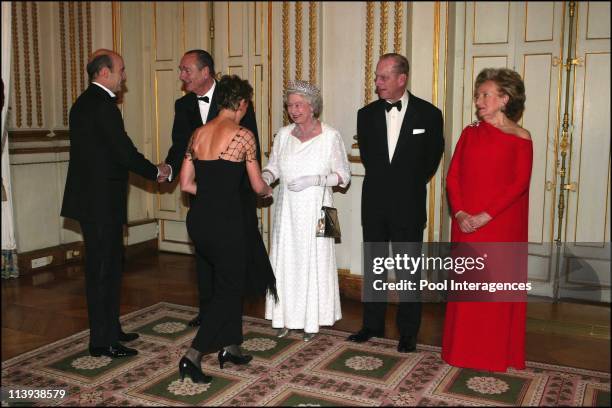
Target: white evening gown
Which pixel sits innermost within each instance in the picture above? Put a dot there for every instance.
(304, 265)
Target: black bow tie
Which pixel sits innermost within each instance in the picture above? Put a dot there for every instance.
(397, 105)
(203, 98)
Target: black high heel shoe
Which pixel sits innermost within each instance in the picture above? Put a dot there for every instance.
(225, 355)
(196, 375)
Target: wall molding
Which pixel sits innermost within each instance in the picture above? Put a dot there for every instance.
(16, 136)
(72, 253)
(39, 150)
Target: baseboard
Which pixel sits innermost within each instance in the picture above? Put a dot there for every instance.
(72, 253)
(350, 285)
(46, 258)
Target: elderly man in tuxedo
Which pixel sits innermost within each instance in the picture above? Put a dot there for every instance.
(101, 155)
(194, 109)
(401, 143)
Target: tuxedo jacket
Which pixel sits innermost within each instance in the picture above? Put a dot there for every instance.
(187, 119)
(396, 190)
(101, 155)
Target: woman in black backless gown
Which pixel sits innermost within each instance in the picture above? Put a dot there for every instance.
(220, 156)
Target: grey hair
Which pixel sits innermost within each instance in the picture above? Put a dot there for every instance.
(401, 64)
(307, 90)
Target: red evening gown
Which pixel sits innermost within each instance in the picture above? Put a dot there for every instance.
(489, 171)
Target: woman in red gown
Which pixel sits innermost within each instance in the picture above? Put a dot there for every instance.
(488, 191)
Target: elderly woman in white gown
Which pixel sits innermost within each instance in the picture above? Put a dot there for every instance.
(309, 158)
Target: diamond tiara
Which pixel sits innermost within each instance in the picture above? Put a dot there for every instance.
(302, 87)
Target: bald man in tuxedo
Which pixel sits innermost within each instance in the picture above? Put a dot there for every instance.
(101, 156)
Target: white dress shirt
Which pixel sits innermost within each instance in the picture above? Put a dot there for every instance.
(111, 93)
(205, 106)
(394, 120)
(204, 109)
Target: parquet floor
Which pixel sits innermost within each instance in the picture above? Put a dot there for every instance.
(50, 305)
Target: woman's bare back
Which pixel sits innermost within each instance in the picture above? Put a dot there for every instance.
(212, 140)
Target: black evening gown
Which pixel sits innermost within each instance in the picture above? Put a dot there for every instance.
(223, 227)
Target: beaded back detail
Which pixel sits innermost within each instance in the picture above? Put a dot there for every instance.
(241, 148)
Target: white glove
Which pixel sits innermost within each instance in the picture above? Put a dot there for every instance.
(268, 177)
(303, 182)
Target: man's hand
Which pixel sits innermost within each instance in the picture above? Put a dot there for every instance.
(164, 172)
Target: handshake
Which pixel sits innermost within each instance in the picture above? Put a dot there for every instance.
(163, 172)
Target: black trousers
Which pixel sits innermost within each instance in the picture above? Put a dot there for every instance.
(103, 272)
(408, 319)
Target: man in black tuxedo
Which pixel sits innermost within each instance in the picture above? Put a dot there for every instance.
(401, 144)
(101, 155)
(194, 109)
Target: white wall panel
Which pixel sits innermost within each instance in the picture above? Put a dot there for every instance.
(235, 34)
(166, 16)
(539, 21)
(237, 70)
(598, 20)
(165, 94)
(491, 22)
(342, 68)
(33, 184)
(174, 231)
(537, 76)
(593, 152)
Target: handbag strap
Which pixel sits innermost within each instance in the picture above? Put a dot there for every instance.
(323, 197)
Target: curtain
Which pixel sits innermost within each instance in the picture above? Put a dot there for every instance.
(9, 244)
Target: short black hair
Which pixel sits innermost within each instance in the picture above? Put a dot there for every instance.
(204, 60)
(95, 66)
(231, 90)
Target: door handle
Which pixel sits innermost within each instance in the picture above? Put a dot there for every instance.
(571, 186)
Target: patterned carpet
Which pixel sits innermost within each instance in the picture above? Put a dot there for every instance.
(328, 371)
